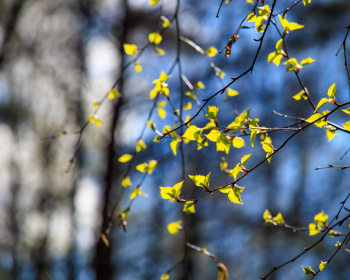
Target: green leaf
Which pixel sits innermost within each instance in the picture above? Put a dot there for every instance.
(212, 113)
(346, 110)
(94, 119)
(164, 276)
(138, 66)
(223, 163)
(236, 171)
(279, 45)
(189, 207)
(321, 103)
(332, 91)
(314, 229)
(151, 3)
(238, 142)
(192, 133)
(267, 146)
(232, 92)
(222, 144)
(244, 159)
(291, 61)
(306, 2)
(308, 271)
(201, 181)
(314, 117)
(174, 227)
(174, 146)
(125, 158)
(165, 22)
(330, 134)
(140, 145)
(321, 219)
(294, 26)
(211, 51)
(347, 126)
(161, 113)
(279, 219)
(307, 61)
(126, 182)
(155, 38)
(137, 192)
(275, 57)
(210, 125)
(322, 265)
(130, 49)
(235, 194)
(300, 95)
(267, 214)
(214, 135)
(142, 167)
(253, 135)
(171, 193)
(199, 84)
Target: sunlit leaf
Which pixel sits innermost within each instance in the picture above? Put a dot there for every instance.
(174, 227)
(321, 103)
(238, 142)
(189, 207)
(126, 182)
(155, 38)
(141, 145)
(211, 51)
(322, 265)
(308, 271)
(235, 194)
(165, 22)
(232, 92)
(307, 61)
(125, 158)
(332, 91)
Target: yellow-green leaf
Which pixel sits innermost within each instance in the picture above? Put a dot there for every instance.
(174, 146)
(346, 110)
(321, 103)
(300, 95)
(332, 91)
(267, 214)
(238, 142)
(347, 126)
(306, 2)
(267, 146)
(308, 271)
(165, 22)
(307, 61)
(192, 133)
(211, 51)
(113, 93)
(235, 194)
(244, 159)
(155, 38)
(214, 135)
(189, 207)
(138, 67)
(314, 229)
(95, 104)
(140, 145)
(231, 92)
(322, 265)
(174, 227)
(130, 49)
(279, 219)
(161, 113)
(151, 3)
(159, 51)
(126, 182)
(164, 276)
(125, 158)
(330, 134)
(199, 84)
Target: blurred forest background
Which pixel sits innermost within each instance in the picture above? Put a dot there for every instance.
(57, 57)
